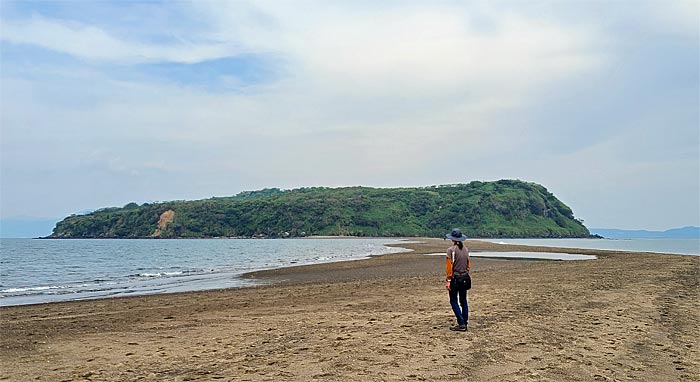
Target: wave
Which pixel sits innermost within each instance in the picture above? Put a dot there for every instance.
(155, 274)
(33, 289)
(142, 274)
(161, 274)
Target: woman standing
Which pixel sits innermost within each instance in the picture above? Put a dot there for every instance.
(458, 278)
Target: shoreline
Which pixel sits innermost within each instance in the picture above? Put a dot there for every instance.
(248, 276)
(222, 276)
(263, 237)
(410, 245)
(622, 316)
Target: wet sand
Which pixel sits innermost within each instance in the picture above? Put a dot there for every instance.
(625, 316)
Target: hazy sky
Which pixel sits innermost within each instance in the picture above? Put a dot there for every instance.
(104, 103)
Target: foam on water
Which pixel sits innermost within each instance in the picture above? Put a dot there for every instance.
(159, 274)
(39, 288)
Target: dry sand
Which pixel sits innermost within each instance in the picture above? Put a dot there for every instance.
(622, 317)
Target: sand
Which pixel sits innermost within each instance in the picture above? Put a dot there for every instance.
(625, 316)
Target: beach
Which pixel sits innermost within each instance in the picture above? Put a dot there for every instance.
(624, 316)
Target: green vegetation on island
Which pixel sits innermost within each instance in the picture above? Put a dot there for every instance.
(505, 208)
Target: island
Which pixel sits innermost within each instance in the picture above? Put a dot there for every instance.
(503, 208)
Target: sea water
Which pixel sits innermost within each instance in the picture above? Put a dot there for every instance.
(673, 246)
(526, 255)
(35, 271)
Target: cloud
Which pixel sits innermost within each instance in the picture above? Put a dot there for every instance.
(95, 44)
(396, 94)
(414, 51)
(410, 52)
(674, 17)
(400, 77)
(426, 54)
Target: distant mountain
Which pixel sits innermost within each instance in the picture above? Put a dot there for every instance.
(676, 233)
(25, 227)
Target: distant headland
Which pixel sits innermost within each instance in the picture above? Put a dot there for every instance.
(504, 208)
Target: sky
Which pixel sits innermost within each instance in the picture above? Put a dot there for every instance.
(104, 103)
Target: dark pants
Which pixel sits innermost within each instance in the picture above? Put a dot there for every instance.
(461, 314)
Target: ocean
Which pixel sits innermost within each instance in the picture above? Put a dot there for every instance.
(36, 271)
(673, 246)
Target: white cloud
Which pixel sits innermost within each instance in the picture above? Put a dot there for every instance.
(94, 43)
(389, 95)
(364, 89)
(413, 52)
(678, 16)
(425, 54)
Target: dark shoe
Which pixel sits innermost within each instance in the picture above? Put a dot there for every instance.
(459, 328)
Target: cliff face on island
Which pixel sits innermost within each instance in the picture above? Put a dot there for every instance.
(505, 208)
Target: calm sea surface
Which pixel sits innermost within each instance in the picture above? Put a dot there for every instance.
(675, 246)
(33, 271)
